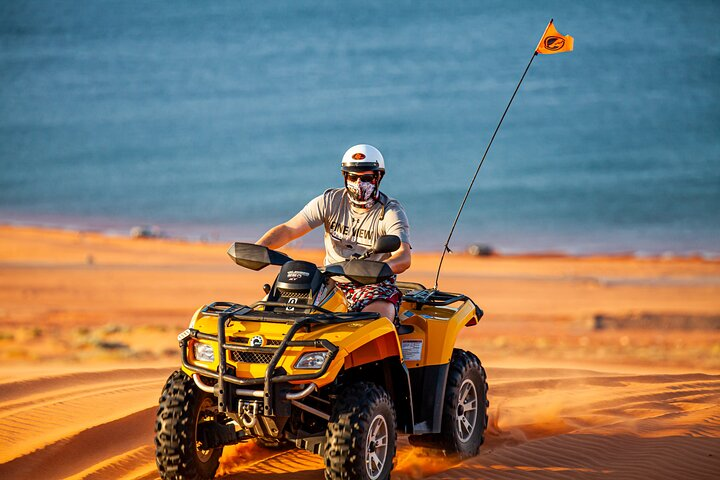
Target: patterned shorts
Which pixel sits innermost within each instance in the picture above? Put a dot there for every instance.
(360, 296)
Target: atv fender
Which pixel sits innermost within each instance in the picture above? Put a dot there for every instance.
(360, 344)
(375, 342)
(196, 316)
(438, 328)
(441, 352)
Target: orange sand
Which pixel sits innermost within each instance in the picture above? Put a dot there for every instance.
(87, 337)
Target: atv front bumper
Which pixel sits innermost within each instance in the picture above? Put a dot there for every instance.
(274, 389)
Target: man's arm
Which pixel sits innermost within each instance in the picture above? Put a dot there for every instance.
(285, 233)
(400, 260)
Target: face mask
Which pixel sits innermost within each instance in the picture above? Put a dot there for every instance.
(362, 194)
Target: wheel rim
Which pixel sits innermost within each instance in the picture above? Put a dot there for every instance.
(204, 413)
(376, 447)
(466, 410)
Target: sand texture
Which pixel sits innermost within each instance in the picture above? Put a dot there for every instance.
(601, 367)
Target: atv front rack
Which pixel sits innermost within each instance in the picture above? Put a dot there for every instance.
(253, 313)
(227, 312)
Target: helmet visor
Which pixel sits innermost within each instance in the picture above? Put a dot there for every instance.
(361, 167)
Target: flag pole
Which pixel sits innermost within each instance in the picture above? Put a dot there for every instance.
(446, 248)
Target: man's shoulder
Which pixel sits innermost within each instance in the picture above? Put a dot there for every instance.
(329, 201)
(334, 191)
(391, 203)
(333, 195)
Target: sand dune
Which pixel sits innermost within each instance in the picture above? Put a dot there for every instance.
(87, 417)
(87, 338)
(560, 423)
(599, 426)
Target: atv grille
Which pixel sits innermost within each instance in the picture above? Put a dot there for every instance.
(251, 357)
(293, 293)
(246, 340)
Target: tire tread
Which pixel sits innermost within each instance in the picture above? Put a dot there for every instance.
(350, 420)
(174, 434)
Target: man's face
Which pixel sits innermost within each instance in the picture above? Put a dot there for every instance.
(362, 186)
(368, 176)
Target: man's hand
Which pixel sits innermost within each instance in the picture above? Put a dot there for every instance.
(400, 259)
(285, 233)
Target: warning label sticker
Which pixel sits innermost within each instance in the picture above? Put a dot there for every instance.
(412, 350)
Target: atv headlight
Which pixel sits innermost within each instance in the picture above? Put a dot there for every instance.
(312, 360)
(204, 352)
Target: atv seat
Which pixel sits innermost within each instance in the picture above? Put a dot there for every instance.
(296, 283)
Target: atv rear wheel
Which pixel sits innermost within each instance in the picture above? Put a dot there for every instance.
(178, 454)
(464, 417)
(361, 435)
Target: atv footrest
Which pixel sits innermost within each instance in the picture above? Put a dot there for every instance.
(213, 435)
(314, 444)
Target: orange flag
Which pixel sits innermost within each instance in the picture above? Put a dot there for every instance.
(553, 42)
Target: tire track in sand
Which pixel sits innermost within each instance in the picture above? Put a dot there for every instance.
(63, 409)
(70, 455)
(553, 426)
(57, 426)
(616, 426)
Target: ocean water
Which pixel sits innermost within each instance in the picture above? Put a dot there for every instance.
(220, 119)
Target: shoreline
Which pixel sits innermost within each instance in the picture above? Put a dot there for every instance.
(102, 293)
(299, 245)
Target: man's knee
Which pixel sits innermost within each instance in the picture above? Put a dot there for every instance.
(385, 309)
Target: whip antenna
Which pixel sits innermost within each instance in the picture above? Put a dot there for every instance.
(550, 42)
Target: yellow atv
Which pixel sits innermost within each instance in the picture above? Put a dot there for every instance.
(298, 368)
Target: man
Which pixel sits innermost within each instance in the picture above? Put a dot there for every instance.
(354, 217)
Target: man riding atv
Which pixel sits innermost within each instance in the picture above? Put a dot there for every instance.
(354, 217)
(324, 368)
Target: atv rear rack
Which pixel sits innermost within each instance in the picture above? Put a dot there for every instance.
(422, 296)
(432, 297)
(227, 312)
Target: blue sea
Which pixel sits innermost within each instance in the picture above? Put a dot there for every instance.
(220, 119)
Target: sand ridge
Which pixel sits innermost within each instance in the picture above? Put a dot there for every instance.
(87, 339)
(562, 423)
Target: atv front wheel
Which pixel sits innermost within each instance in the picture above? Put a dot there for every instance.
(361, 435)
(178, 453)
(464, 417)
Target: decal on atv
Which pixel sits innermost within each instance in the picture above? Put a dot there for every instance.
(412, 350)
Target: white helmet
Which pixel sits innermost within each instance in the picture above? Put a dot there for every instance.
(363, 158)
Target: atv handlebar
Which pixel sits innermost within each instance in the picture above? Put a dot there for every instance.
(364, 272)
(257, 257)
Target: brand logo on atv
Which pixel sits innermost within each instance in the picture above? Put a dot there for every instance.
(293, 275)
(554, 43)
(358, 156)
(257, 341)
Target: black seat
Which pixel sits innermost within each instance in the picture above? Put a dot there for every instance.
(297, 283)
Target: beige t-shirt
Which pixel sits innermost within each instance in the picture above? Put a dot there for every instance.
(348, 232)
